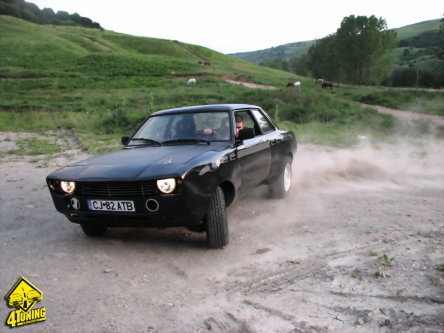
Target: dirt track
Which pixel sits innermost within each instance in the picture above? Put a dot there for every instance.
(308, 263)
(408, 116)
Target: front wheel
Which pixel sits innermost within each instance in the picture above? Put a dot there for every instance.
(216, 221)
(280, 187)
(93, 230)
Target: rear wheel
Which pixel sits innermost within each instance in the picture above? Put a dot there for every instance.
(280, 187)
(216, 221)
(93, 230)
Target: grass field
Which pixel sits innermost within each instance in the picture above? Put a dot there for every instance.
(103, 84)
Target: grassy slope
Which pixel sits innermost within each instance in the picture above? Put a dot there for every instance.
(286, 50)
(102, 84)
(292, 49)
(412, 30)
(427, 62)
(30, 50)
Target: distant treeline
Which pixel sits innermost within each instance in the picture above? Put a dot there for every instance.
(30, 12)
(426, 39)
(425, 47)
(362, 52)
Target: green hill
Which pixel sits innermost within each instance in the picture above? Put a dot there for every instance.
(33, 50)
(415, 29)
(287, 51)
(102, 84)
(282, 52)
(418, 57)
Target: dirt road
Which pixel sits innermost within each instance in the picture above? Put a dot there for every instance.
(408, 116)
(308, 263)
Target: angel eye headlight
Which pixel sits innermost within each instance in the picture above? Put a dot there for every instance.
(166, 185)
(67, 187)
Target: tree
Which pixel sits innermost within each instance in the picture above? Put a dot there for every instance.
(299, 65)
(30, 12)
(441, 31)
(48, 16)
(323, 60)
(362, 43)
(356, 53)
(276, 63)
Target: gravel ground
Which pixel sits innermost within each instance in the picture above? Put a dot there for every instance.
(308, 263)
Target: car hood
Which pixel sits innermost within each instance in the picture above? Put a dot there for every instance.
(136, 163)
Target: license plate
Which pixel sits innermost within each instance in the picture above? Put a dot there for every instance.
(112, 206)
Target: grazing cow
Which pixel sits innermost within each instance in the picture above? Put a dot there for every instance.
(207, 63)
(319, 81)
(191, 81)
(327, 85)
(294, 84)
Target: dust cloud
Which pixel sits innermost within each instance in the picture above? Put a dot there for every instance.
(369, 166)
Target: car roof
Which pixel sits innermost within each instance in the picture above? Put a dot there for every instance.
(205, 108)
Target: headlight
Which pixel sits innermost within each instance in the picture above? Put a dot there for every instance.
(68, 187)
(166, 185)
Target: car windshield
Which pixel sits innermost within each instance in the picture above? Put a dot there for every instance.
(184, 128)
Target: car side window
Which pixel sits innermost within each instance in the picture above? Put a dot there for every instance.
(264, 124)
(249, 121)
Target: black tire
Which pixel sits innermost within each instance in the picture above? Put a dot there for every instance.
(216, 221)
(93, 229)
(280, 186)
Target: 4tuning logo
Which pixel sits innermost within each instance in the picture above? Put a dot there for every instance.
(23, 296)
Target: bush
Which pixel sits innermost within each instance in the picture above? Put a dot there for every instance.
(119, 121)
(411, 77)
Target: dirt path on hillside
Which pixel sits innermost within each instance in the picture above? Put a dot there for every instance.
(409, 116)
(102, 46)
(308, 263)
(186, 49)
(251, 84)
(406, 116)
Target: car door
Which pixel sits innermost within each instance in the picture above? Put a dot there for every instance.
(254, 154)
(272, 136)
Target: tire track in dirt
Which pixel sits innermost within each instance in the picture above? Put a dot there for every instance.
(296, 265)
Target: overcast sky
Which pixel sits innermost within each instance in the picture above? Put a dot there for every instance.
(230, 26)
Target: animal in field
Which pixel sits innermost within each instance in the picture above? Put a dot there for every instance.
(294, 84)
(319, 81)
(207, 63)
(191, 81)
(327, 85)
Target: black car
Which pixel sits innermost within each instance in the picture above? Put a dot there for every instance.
(181, 168)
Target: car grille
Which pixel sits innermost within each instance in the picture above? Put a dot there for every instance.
(115, 189)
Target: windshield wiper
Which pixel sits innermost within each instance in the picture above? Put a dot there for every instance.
(147, 140)
(187, 140)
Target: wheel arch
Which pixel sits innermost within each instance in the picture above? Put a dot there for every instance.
(229, 192)
(290, 157)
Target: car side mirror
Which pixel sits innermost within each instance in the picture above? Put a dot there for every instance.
(245, 134)
(125, 140)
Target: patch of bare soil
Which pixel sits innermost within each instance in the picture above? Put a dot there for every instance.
(251, 84)
(313, 262)
(408, 116)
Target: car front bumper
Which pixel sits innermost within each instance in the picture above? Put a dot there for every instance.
(173, 210)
